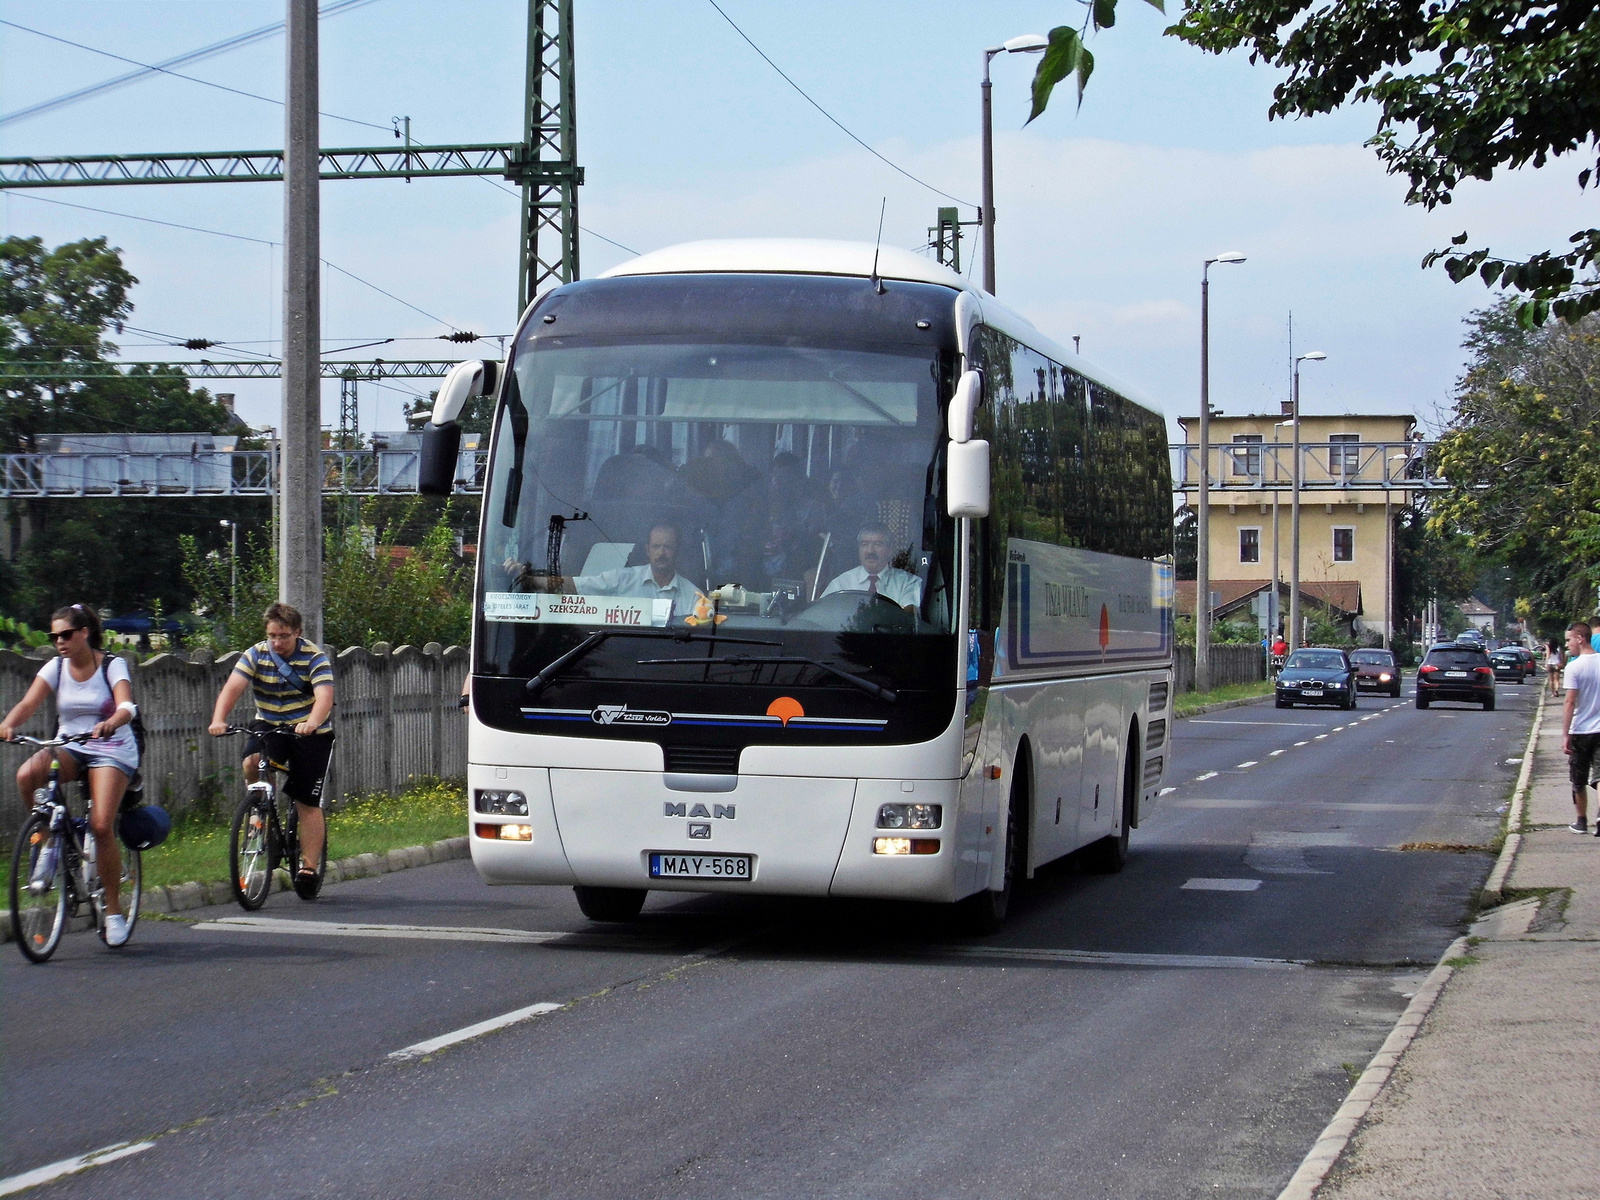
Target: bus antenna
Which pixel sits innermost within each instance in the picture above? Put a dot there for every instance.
(877, 284)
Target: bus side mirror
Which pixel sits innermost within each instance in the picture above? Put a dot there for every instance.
(967, 478)
(436, 466)
(964, 405)
(441, 437)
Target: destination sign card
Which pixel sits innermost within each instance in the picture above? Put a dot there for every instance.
(543, 608)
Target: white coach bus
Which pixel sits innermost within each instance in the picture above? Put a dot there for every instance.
(806, 568)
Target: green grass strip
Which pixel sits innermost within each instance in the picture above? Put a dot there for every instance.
(1189, 702)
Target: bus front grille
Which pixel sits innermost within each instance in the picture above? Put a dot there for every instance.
(702, 760)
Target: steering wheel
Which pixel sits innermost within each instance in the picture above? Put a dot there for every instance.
(845, 609)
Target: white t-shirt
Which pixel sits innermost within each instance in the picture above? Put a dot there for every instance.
(1583, 676)
(82, 706)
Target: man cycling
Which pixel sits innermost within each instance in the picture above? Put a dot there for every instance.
(293, 685)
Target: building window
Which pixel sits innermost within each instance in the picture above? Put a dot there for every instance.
(1344, 456)
(1344, 543)
(1247, 455)
(1249, 545)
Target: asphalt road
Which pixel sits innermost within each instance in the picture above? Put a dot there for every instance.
(1260, 944)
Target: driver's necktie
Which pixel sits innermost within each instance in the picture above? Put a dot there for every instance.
(872, 585)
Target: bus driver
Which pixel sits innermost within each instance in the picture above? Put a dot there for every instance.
(657, 581)
(875, 576)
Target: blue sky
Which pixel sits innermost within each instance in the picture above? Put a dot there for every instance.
(1104, 214)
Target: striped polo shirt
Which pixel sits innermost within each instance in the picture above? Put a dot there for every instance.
(278, 699)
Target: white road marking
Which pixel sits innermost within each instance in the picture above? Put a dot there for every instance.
(444, 933)
(1206, 776)
(1302, 724)
(472, 1031)
(1337, 729)
(1166, 791)
(1115, 959)
(1221, 885)
(1275, 753)
(1302, 743)
(1247, 763)
(1310, 802)
(1319, 737)
(71, 1166)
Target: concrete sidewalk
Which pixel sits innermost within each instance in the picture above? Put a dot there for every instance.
(1498, 1095)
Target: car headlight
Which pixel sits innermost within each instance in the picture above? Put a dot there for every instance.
(1385, 678)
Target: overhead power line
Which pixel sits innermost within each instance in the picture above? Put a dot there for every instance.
(888, 162)
(238, 237)
(145, 70)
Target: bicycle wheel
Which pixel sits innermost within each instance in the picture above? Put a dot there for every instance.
(38, 907)
(252, 854)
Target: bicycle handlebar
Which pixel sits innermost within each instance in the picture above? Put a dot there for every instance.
(286, 730)
(48, 743)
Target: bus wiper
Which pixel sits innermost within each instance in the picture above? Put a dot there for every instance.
(888, 695)
(595, 639)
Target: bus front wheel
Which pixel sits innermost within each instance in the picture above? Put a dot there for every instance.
(982, 913)
(610, 903)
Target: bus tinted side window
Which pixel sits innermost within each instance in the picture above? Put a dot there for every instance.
(1073, 464)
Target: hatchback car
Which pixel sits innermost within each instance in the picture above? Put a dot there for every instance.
(1376, 671)
(1511, 663)
(1456, 672)
(1317, 675)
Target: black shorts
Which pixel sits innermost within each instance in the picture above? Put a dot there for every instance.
(1581, 762)
(304, 758)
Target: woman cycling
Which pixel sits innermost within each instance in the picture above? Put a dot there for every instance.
(93, 696)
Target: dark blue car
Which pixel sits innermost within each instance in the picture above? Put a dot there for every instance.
(1317, 675)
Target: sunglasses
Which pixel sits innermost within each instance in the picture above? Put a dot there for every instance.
(64, 636)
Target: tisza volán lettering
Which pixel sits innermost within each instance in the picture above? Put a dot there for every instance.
(717, 812)
(1065, 600)
(1132, 604)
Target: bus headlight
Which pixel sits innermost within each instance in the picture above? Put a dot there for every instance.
(910, 816)
(500, 803)
(505, 833)
(900, 845)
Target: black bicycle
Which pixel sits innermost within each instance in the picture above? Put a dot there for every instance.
(54, 877)
(262, 837)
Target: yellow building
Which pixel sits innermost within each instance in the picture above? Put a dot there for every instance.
(1346, 515)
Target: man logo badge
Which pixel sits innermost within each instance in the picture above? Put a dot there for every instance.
(717, 812)
(621, 714)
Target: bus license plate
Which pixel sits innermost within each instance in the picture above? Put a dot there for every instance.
(700, 866)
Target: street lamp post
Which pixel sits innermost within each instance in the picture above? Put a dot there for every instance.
(1274, 609)
(1028, 43)
(233, 566)
(1294, 516)
(1202, 556)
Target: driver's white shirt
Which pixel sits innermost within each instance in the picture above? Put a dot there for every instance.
(639, 582)
(893, 584)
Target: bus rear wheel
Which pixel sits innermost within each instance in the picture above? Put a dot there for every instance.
(610, 903)
(1110, 854)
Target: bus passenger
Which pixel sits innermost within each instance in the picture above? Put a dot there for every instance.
(875, 576)
(657, 581)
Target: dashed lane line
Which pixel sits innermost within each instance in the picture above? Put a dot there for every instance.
(456, 1037)
(71, 1166)
(1114, 959)
(1248, 763)
(1206, 776)
(1275, 753)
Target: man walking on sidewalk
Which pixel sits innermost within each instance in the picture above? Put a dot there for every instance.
(1580, 720)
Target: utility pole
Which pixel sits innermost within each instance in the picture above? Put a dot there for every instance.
(300, 526)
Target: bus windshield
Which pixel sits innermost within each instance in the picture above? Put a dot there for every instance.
(777, 493)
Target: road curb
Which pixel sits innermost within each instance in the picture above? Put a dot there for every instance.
(1494, 888)
(178, 897)
(1336, 1135)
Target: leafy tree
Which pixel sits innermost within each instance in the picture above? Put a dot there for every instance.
(1462, 87)
(1524, 478)
(1186, 542)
